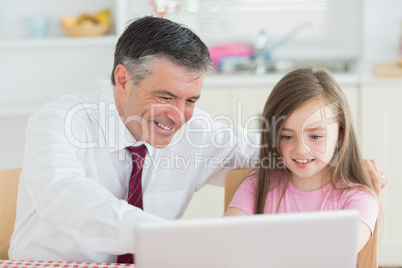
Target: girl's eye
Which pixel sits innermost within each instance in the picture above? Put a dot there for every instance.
(286, 137)
(315, 137)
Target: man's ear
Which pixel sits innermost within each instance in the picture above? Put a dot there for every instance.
(122, 78)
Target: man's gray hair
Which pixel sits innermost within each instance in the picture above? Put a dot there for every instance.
(149, 38)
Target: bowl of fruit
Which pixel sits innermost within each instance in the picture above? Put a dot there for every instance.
(87, 24)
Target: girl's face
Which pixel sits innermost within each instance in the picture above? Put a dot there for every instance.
(307, 143)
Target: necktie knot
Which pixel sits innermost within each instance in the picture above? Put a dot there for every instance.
(137, 156)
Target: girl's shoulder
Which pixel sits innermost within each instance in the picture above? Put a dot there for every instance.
(351, 186)
(251, 180)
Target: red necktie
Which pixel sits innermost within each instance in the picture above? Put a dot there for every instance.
(135, 188)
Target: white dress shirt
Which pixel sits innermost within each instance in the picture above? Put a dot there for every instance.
(74, 183)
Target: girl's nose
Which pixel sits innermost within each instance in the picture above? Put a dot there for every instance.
(300, 147)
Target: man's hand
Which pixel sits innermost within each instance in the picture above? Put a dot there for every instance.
(376, 174)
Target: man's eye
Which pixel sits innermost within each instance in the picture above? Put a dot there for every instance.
(165, 98)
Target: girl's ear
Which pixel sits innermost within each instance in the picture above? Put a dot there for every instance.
(122, 77)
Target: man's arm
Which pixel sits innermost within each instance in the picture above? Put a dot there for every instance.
(64, 197)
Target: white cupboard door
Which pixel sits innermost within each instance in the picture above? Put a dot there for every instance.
(248, 105)
(352, 96)
(208, 201)
(215, 100)
(381, 127)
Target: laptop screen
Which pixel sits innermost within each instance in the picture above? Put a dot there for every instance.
(312, 239)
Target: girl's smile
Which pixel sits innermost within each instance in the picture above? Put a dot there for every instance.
(303, 163)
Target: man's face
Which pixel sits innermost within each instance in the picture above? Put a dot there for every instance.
(156, 108)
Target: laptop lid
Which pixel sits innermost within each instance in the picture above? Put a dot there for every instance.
(312, 239)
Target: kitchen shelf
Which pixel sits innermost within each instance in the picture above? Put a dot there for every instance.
(58, 42)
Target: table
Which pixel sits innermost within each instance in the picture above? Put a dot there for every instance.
(60, 264)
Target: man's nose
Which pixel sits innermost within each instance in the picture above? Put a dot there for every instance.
(177, 113)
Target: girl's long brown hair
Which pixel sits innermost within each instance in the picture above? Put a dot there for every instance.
(298, 87)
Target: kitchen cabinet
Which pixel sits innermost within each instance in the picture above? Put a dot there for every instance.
(381, 121)
(215, 100)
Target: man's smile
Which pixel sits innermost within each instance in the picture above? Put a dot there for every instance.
(164, 127)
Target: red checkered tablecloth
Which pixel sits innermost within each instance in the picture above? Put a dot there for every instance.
(60, 264)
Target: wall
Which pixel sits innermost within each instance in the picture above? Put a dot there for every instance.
(33, 71)
(31, 76)
(382, 29)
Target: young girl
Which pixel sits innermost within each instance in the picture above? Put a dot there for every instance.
(307, 129)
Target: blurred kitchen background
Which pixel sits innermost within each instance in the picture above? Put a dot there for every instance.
(50, 48)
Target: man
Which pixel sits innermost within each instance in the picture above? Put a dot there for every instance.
(78, 160)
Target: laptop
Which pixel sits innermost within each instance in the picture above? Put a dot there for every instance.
(311, 239)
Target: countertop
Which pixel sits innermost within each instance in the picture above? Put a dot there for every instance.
(271, 78)
(345, 79)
